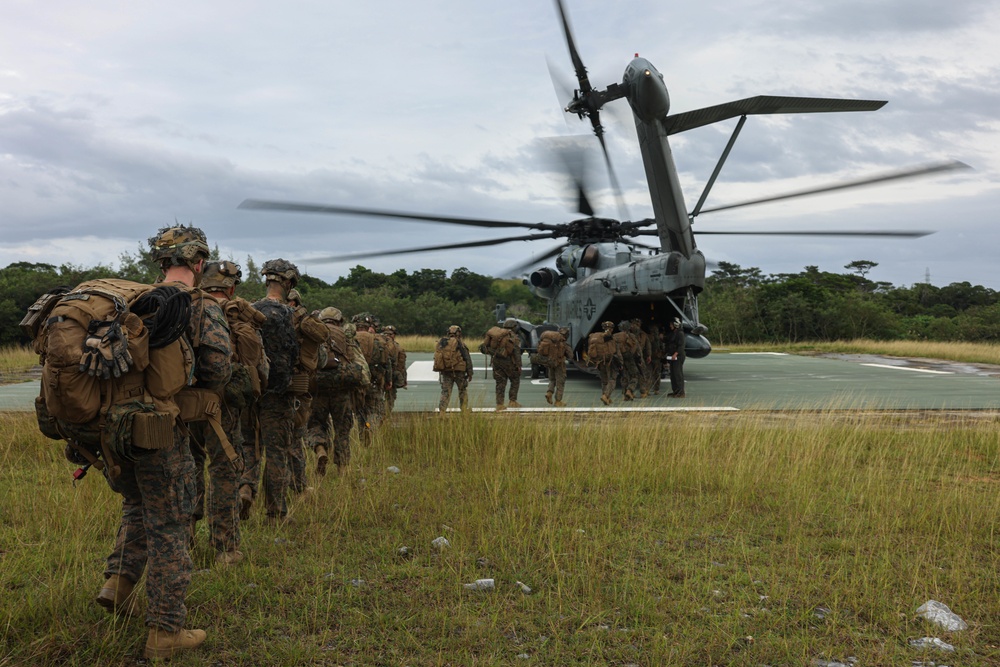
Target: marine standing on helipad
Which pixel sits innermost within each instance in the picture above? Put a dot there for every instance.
(454, 364)
(504, 345)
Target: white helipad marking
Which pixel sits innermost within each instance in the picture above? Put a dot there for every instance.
(423, 371)
(773, 354)
(605, 409)
(906, 368)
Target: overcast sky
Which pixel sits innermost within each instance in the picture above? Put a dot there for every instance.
(119, 118)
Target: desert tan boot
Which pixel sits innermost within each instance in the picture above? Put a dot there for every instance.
(605, 399)
(246, 501)
(548, 397)
(501, 407)
(560, 404)
(163, 644)
(116, 595)
(228, 557)
(513, 404)
(321, 460)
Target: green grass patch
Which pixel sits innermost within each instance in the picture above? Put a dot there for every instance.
(645, 541)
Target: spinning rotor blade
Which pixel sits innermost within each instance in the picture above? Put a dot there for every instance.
(885, 233)
(518, 269)
(903, 174)
(262, 205)
(407, 251)
(588, 103)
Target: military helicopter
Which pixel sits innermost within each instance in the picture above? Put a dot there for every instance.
(602, 271)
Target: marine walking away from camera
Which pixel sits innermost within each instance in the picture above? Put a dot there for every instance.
(453, 364)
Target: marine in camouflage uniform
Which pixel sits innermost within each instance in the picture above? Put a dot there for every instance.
(457, 377)
(297, 452)
(158, 488)
(333, 404)
(645, 362)
(370, 404)
(219, 280)
(398, 356)
(508, 369)
(656, 353)
(628, 346)
(277, 405)
(609, 367)
(556, 365)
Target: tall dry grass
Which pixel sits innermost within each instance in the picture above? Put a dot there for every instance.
(646, 540)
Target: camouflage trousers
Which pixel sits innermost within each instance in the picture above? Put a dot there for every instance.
(557, 379)
(277, 417)
(158, 491)
(608, 372)
(369, 409)
(224, 481)
(297, 452)
(504, 370)
(655, 374)
(449, 379)
(250, 448)
(630, 375)
(645, 376)
(332, 410)
(390, 401)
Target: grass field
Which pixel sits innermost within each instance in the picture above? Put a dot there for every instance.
(738, 539)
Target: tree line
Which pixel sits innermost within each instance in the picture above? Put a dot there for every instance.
(739, 305)
(744, 306)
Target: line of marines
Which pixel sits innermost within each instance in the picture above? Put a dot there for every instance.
(257, 384)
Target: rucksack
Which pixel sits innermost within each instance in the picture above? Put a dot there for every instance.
(448, 356)
(246, 383)
(550, 348)
(346, 368)
(104, 386)
(598, 349)
(280, 344)
(499, 342)
(376, 354)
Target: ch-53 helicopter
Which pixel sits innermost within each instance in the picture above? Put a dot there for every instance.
(602, 272)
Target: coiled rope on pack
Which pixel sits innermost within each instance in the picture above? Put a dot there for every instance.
(166, 310)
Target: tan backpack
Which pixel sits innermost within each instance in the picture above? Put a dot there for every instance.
(103, 388)
(499, 342)
(448, 356)
(598, 349)
(248, 352)
(376, 354)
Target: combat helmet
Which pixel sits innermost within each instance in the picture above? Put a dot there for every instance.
(389, 329)
(607, 324)
(510, 323)
(454, 330)
(624, 325)
(221, 275)
(564, 332)
(177, 246)
(280, 269)
(332, 315)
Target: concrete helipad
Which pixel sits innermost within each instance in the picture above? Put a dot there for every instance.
(721, 382)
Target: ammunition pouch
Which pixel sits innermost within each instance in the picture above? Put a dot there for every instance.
(133, 429)
(299, 384)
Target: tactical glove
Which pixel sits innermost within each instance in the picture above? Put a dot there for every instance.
(105, 351)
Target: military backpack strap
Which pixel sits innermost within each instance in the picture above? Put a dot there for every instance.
(205, 405)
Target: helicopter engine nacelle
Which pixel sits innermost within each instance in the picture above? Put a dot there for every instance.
(577, 257)
(543, 278)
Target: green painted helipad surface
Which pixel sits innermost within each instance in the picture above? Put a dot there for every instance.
(721, 382)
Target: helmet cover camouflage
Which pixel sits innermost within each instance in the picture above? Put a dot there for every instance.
(454, 330)
(510, 323)
(280, 269)
(389, 329)
(624, 325)
(331, 314)
(607, 324)
(180, 245)
(221, 275)
(564, 331)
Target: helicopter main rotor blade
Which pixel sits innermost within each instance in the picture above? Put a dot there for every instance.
(877, 232)
(902, 174)
(581, 71)
(407, 251)
(294, 207)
